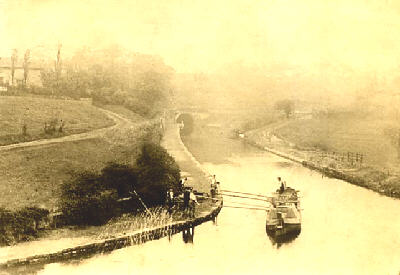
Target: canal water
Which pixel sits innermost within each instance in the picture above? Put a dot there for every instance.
(345, 229)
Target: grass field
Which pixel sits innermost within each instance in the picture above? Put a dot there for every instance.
(31, 176)
(133, 117)
(365, 136)
(35, 112)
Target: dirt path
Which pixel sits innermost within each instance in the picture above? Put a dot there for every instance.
(190, 167)
(119, 122)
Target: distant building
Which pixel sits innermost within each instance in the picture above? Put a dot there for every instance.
(33, 79)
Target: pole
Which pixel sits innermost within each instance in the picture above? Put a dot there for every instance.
(244, 193)
(248, 208)
(246, 204)
(236, 196)
(144, 205)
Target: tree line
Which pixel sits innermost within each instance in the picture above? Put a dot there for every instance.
(139, 82)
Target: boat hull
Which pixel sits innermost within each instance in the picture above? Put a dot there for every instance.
(284, 235)
(284, 229)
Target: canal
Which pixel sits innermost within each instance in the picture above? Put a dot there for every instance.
(345, 229)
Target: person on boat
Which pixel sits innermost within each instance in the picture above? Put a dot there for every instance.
(213, 186)
(282, 185)
(217, 187)
(213, 180)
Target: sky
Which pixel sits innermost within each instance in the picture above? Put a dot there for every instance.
(210, 35)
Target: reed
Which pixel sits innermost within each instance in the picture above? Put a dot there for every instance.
(130, 223)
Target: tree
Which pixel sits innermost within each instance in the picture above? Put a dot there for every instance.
(285, 105)
(26, 65)
(85, 200)
(14, 59)
(92, 199)
(58, 64)
(122, 178)
(140, 83)
(158, 172)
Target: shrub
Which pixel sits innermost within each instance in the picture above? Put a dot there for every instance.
(6, 227)
(137, 106)
(21, 225)
(92, 199)
(120, 177)
(157, 172)
(85, 201)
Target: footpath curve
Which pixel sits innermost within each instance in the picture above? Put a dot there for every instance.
(119, 122)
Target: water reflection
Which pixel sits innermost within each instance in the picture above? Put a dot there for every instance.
(281, 237)
(188, 234)
(24, 270)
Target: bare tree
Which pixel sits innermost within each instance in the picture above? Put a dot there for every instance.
(26, 65)
(14, 59)
(58, 64)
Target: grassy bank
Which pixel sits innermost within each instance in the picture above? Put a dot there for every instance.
(77, 116)
(32, 176)
(367, 136)
(325, 145)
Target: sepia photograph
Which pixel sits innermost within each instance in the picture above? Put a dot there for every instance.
(225, 137)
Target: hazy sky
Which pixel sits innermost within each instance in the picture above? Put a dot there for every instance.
(206, 35)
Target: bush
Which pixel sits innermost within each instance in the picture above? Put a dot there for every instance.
(158, 172)
(85, 200)
(137, 106)
(21, 225)
(122, 178)
(92, 199)
(6, 227)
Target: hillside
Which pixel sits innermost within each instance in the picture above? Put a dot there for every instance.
(78, 117)
(31, 176)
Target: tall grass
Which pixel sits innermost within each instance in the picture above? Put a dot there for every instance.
(129, 223)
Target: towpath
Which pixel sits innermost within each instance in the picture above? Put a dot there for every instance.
(190, 167)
